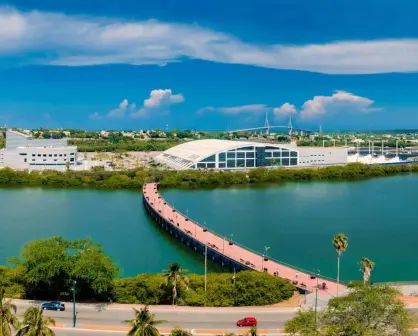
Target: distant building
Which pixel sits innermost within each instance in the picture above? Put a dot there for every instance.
(229, 155)
(23, 152)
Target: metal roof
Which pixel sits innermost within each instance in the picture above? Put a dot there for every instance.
(188, 153)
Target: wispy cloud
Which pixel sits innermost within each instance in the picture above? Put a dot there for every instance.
(253, 108)
(81, 40)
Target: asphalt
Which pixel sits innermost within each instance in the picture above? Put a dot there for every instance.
(184, 317)
(200, 319)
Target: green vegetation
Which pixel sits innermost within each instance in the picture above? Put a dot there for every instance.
(144, 323)
(8, 319)
(366, 310)
(47, 267)
(221, 290)
(35, 324)
(135, 178)
(367, 267)
(180, 332)
(175, 277)
(340, 243)
(123, 145)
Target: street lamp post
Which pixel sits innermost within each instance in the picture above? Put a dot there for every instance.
(74, 313)
(316, 298)
(206, 266)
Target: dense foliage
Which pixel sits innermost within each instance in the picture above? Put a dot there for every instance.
(366, 310)
(135, 178)
(8, 284)
(123, 145)
(47, 268)
(221, 290)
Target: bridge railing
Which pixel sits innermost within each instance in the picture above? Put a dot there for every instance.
(261, 255)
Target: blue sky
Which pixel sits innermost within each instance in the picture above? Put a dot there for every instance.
(209, 64)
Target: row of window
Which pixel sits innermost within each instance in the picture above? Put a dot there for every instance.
(47, 155)
(44, 160)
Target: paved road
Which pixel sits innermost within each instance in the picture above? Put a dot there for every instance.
(184, 317)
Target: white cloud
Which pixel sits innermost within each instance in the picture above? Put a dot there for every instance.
(121, 110)
(340, 101)
(75, 41)
(285, 110)
(158, 98)
(253, 108)
(159, 101)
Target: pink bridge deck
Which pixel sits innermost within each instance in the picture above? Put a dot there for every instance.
(235, 252)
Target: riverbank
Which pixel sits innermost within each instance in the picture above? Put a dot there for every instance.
(98, 178)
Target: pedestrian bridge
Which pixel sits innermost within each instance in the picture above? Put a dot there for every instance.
(225, 252)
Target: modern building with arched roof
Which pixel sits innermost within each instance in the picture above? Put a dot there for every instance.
(227, 155)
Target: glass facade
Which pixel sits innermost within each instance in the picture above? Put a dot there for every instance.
(250, 157)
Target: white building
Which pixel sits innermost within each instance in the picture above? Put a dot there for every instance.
(23, 152)
(228, 155)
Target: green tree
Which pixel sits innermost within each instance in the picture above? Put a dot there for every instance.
(340, 243)
(47, 266)
(8, 319)
(175, 276)
(365, 311)
(180, 332)
(34, 324)
(367, 267)
(68, 165)
(143, 324)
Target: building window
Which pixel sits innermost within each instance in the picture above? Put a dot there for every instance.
(230, 155)
(285, 153)
(221, 156)
(44, 156)
(201, 165)
(44, 160)
(72, 159)
(25, 160)
(60, 155)
(285, 162)
(293, 162)
(276, 154)
(39, 155)
(55, 155)
(72, 153)
(250, 155)
(231, 164)
(222, 165)
(250, 163)
(33, 154)
(50, 155)
(241, 155)
(241, 163)
(23, 154)
(211, 165)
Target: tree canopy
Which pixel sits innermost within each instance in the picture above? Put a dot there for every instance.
(47, 267)
(365, 311)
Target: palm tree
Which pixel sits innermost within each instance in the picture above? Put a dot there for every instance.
(367, 267)
(35, 324)
(174, 276)
(8, 318)
(340, 243)
(143, 324)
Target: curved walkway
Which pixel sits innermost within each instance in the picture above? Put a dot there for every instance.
(236, 252)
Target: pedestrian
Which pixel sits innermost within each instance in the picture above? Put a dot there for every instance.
(296, 276)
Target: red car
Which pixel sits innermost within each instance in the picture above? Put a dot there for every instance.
(247, 322)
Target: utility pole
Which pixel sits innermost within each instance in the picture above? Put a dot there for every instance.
(74, 313)
(206, 265)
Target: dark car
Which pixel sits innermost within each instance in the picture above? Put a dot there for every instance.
(247, 322)
(53, 306)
